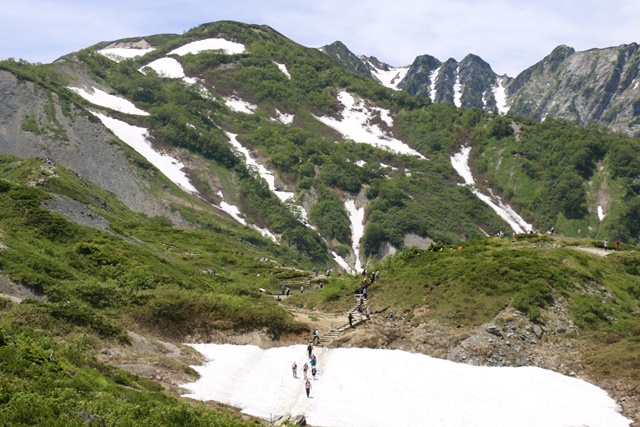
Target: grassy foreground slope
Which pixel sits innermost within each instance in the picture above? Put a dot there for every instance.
(93, 285)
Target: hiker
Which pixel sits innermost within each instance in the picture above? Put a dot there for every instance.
(313, 372)
(302, 289)
(294, 368)
(305, 368)
(315, 336)
(368, 312)
(310, 350)
(617, 244)
(313, 361)
(351, 319)
(606, 244)
(287, 291)
(307, 386)
(391, 316)
(365, 291)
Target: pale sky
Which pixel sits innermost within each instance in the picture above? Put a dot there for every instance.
(510, 35)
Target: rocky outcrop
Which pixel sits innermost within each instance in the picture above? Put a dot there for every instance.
(594, 86)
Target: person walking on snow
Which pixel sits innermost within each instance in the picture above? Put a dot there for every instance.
(294, 368)
(307, 386)
(313, 372)
(310, 350)
(305, 368)
(313, 361)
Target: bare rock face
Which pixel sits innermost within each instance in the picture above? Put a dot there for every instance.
(73, 139)
(594, 86)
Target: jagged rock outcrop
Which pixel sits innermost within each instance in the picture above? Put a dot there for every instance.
(594, 86)
(347, 59)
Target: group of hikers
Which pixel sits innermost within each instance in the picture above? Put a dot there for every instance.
(313, 361)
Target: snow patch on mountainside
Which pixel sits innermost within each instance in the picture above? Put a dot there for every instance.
(390, 78)
(432, 86)
(268, 176)
(284, 70)
(240, 106)
(460, 162)
(457, 90)
(166, 67)
(138, 139)
(103, 99)
(341, 262)
(500, 93)
(284, 118)
(361, 387)
(356, 124)
(237, 215)
(118, 54)
(356, 218)
(227, 46)
(601, 213)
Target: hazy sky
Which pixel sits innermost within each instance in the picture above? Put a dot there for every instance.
(510, 35)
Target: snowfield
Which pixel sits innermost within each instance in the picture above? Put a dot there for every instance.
(138, 139)
(239, 106)
(356, 124)
(460, 162)
(226, 46)
(372, 387)
(118, 54)
(166, 67)
(103, 99)
(356, 219)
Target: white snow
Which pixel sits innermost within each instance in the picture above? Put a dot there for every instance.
(460, 162)
(103, 99)
(262, 171)
(236, 214)
(457, 90)
(371, 387)
(138, 139)
(356, 218)
(238, 105)
(360, 163)
(500, 93)
(432, 87)
(284, 70)
(356, 125)
(601, 213)
(341, 262)
(390, 78)
(284, 118)
(166, 67)
(119, 53)
(227, 46)
(393, 168)
(267, 175)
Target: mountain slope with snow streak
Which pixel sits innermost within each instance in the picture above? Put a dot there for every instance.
(356, 124)
(356, 219)
(138, 139)
(371, 387)
(460, 162)
(103, 99)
